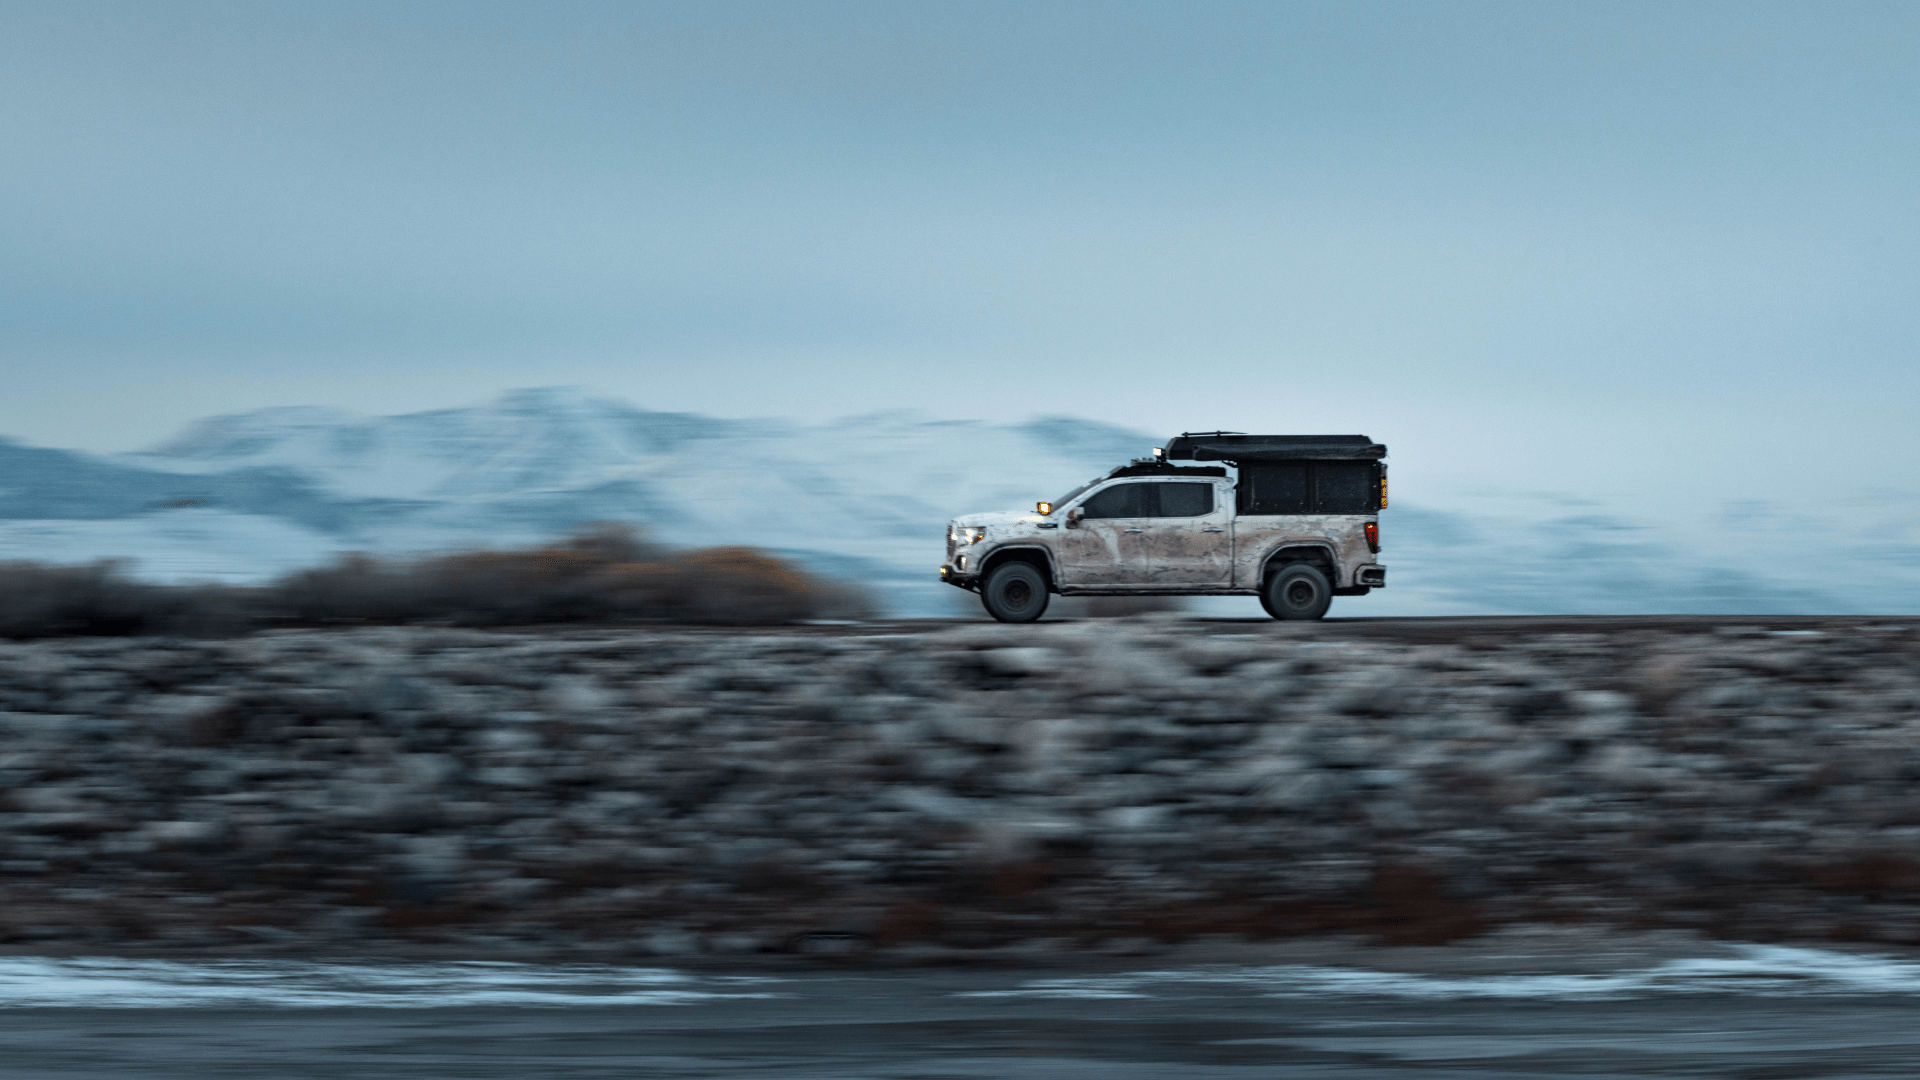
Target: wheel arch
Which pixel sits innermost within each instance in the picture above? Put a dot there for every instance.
(1319, 553)
(1040, 558)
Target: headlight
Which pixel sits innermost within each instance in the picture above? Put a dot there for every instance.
(963, 537)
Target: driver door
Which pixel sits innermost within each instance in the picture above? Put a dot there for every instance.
(1106, 548)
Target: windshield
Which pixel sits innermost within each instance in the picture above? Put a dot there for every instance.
(1071, 495)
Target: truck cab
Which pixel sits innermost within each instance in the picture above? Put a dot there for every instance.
(1291, 519)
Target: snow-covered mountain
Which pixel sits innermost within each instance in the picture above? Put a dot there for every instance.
(245, 497)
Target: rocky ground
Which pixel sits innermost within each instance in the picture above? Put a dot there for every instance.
(970, 791)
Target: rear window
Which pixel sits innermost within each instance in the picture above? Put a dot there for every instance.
(1274, 488)
(1309, 487)
(1345, 487)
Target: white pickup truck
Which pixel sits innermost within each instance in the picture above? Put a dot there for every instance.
(1291, 519)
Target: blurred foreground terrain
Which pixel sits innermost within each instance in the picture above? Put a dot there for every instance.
(938, 792)
(1134, 848)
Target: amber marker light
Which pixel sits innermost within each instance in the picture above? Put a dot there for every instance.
(1373, 537)
(1044, 508)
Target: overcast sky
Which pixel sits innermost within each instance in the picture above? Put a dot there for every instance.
(1569, 238)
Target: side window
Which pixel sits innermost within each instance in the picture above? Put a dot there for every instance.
(1345, 487)
(1184, 500)
(1310, 487)
(1118, 501)
(1274, 488)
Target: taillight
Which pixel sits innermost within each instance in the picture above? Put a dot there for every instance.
(1373, 537)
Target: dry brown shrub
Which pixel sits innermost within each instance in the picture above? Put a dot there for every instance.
(604, 573)
(42, 600)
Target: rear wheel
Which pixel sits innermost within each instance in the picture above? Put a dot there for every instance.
(1297, 591)
(1014, 592)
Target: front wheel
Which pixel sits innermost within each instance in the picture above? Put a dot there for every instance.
(1014, 592)
(1298, 591)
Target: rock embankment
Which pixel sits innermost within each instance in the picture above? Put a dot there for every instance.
(953, 792)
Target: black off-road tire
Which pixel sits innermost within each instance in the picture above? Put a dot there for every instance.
(1014, 592)
(1297, 591)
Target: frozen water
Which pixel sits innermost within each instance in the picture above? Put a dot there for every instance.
(115, 983)
(1755, 969)
(1761, 970)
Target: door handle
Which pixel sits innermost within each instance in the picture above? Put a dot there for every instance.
(1213, 530)
(1133, 530)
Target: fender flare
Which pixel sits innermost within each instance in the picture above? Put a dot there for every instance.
(1003, 552)
(1273, 558)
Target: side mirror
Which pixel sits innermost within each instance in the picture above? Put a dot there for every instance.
(1073, 517)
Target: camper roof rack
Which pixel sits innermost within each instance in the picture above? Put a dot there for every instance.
(1239, 447)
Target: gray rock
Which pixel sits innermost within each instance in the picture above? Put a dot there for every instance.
(181, 833)
(1299, 791)
(1025, 661)
(1136, 817)
(673, 942)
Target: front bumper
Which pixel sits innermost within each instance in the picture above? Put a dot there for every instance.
(959, 578)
